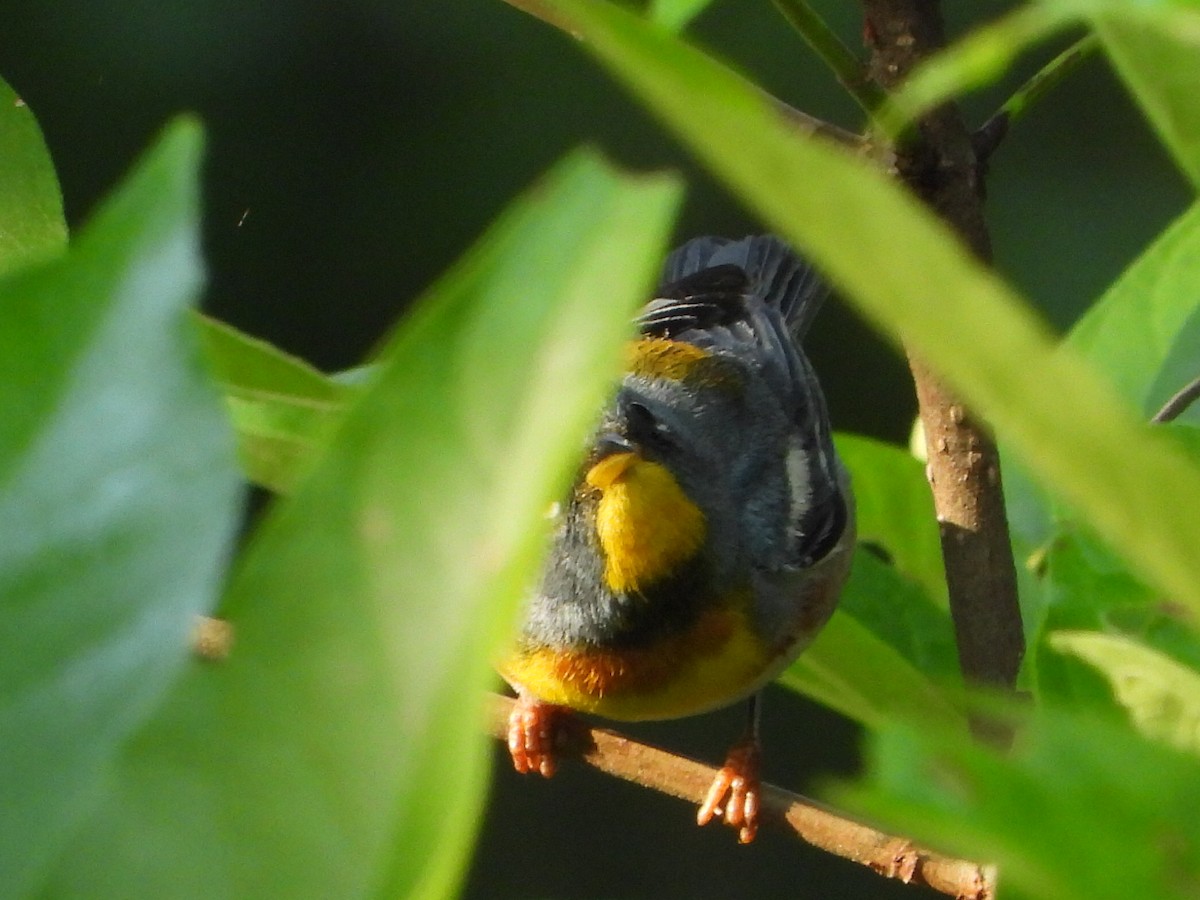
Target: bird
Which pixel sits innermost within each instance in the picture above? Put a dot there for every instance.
(708, 531)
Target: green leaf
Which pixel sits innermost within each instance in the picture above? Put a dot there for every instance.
(32, 227)
(119, 498)
(1155, 48)
(1180, 368)
(1083, 583)
(899, 611)
(886, 654)
(1080, 810)
(280, 439)
(1088, 587)
(895, 509)
(338, 752)
(925, 290)
(676, 14)
(1132, 330)
(1161, 696)
(1090, 580)
(283, 409)
(1142, 334)
(249, 367)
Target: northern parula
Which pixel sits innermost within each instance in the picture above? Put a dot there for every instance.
(708, 534)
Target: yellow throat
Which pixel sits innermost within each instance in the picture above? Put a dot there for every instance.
(646, 524)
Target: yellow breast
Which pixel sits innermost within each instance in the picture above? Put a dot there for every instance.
(710, 665)
(646, 525)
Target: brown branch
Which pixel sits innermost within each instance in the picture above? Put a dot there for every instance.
(939, 163)
(677, 776)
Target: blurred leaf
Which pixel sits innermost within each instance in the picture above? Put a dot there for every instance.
(1158, 626)
(924, 289)
(1130, 331)
(119, 498)
(338, 752)
(1161, 696)
(283, 409)
(885, 655)
(976, 60)
(883, 687)
(1180, 368)
(1090, 580)
(1089, 588)
(251, 368)
(1141, 334)
(1155, 48)
(279, 440)
(1029, 506)
(32, 227)
(1093, 588)
(1084, 582)
(676, 14)
(895, 509)
(898, 611)
(1081, 810)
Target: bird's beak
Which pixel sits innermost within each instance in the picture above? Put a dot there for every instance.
(611, 442)
(614, 455)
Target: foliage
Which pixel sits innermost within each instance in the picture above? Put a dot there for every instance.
(410, 499)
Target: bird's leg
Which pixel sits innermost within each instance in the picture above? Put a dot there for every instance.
(533, 732)
(734, 794)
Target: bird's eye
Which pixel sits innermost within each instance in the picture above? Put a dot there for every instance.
(647, 430)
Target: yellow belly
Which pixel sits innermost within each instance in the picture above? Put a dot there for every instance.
(716, 662)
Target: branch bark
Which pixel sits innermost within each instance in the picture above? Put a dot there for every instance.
(677, 776)
(939, 163)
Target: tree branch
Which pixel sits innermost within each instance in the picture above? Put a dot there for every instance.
(991, 132)
(677, 776)
(835, 54)
(940, 165)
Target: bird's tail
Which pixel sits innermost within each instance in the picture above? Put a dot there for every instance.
(773, 272)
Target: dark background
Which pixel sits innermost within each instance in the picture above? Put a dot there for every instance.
(357, 148)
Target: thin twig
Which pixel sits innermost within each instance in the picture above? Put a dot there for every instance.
(677, 776)
(941, 167)
(989, 135)
(1176, 406)
(848, 68)
(811, 125)
(801, 121)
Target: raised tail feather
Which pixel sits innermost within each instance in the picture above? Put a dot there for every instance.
(762, 265)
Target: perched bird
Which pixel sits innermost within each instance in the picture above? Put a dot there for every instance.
(707, 536)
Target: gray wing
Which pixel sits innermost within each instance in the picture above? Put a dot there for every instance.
(754, 298)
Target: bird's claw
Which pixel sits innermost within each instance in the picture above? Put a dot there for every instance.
(735, 792)
(533, 729)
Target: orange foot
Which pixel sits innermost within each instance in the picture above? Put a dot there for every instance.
(738, 780)
(533, 730)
